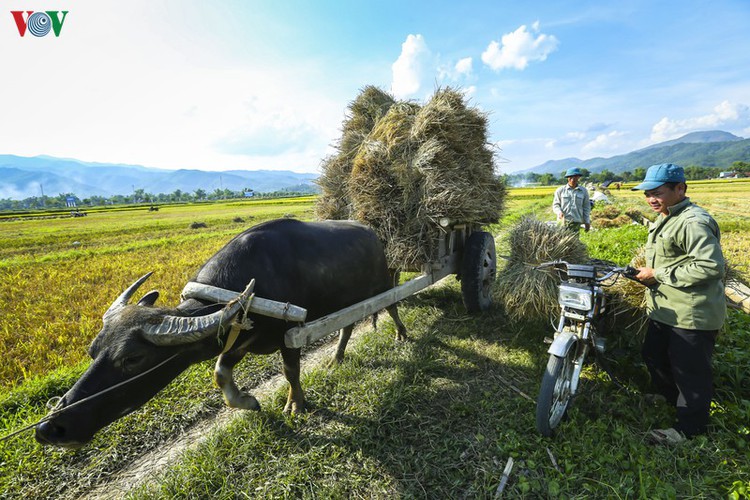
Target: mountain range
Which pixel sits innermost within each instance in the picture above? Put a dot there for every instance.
(24, 177)
(713, 148)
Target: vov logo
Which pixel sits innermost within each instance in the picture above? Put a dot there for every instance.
(39, 23)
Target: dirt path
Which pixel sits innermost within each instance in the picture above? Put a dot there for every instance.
(152, 465)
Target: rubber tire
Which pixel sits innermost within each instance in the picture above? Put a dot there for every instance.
(554, 393)
(478, 271)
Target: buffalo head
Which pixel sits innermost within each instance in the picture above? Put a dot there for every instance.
(139, 350)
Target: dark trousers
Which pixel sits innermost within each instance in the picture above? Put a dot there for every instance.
(679, 361)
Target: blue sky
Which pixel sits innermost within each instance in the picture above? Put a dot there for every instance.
(259, 84)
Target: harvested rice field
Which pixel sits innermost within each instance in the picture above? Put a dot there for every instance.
(436, 417)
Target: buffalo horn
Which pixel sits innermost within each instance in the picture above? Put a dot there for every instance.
(124, 297)
(177, 330)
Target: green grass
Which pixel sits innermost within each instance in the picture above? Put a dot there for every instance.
(436, 417)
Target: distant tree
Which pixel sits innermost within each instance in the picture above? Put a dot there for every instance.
(606, 175)
(139, 195)
(694, 173)
(741, 166)
(200, 194)
(547, 179)
(639, 173)
(97, 200)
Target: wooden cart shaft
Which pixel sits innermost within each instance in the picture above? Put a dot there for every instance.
(319, 328)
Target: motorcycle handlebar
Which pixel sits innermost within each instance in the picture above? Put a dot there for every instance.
(627, 271)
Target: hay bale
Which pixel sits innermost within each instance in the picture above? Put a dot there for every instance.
(603, 222)
(606, 211)
(333, 202)
(417, 165)
(629, 295)
(362, 115)
(528, 293)
(640, 216)
(622, 220)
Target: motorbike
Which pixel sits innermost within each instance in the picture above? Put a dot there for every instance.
(583, 302)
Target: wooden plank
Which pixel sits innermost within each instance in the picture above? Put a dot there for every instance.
(259, 305)
(306, 334)
(738, 295)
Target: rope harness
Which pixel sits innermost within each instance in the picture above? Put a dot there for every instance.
(56, 412)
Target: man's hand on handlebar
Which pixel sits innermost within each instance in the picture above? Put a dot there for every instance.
(646, 276)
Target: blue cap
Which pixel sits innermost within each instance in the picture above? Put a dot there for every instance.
(573, 171)
(656, 175)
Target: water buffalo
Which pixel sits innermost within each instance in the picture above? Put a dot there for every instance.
(321, 266)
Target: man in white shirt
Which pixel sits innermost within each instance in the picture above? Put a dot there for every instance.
(571, 203)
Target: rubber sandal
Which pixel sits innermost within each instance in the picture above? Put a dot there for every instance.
(669, 437)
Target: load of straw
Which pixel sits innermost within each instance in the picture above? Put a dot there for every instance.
(627, 299)
(362, 115)
(528, 293)
(414, 166)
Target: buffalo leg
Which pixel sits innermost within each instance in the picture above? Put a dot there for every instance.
(401, 329)
(344, 337)
(233, 396)
(295, 402)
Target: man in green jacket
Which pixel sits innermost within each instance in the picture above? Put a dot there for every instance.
(684, 271)
(571, 203)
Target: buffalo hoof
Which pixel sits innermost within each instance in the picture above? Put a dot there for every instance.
(244, 402)
(335, 361)
(294, 408)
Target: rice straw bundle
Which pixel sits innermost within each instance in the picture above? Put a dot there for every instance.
(362, 115)
(603, 222)
(417, 165)
(627, 300)
(528, 293)
(333, 202)
(606, 211)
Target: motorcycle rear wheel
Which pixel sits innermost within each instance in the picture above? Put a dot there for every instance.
(554, 393)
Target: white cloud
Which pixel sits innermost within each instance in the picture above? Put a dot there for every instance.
(459, 72)
(735, 116)
(519, 48)
(463, 67)
(566, 140)
(611, 142)
(409, 68)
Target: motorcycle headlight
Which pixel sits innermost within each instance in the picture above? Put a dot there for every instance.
(576, 298)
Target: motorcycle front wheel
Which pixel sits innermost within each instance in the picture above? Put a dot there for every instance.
(554, 393)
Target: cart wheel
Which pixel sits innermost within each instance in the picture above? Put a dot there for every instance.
(478, 271)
